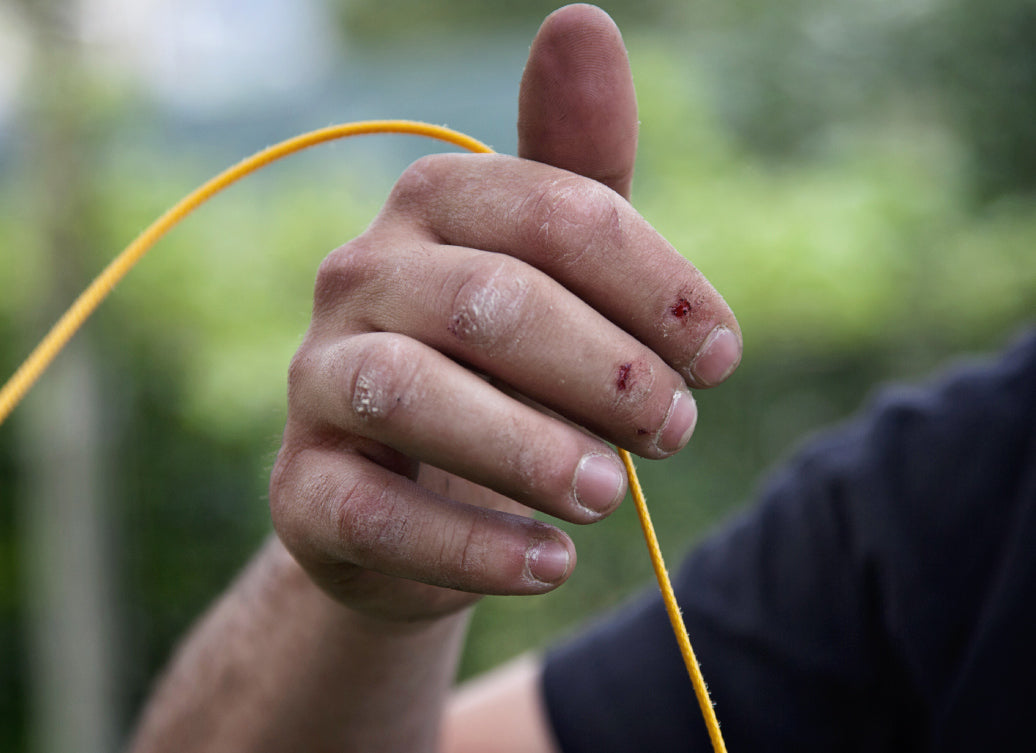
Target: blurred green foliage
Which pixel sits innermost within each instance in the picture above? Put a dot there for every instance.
(786, 77)
(376, 22)
(984, 61)
(855, 178)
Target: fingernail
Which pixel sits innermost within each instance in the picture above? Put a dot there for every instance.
(547, 561)
(600, 484)
(679, 424)
(717, 358)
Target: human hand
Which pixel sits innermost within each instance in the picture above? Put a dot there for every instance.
(471, 353)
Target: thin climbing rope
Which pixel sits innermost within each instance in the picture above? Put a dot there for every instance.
(38, 361)
(41, 357)
(672, 607)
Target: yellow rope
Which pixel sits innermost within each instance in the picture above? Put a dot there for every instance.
(59, 335)
(40, 358)
(672, 608)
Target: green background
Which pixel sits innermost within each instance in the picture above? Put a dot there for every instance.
(855, 177)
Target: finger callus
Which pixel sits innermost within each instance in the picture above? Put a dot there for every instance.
(584, 236)
(340, 515)
(411, 398)
(508, 320)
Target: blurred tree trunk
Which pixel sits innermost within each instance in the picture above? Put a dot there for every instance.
(63, 516)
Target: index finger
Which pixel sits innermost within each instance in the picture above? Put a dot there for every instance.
(585, 236)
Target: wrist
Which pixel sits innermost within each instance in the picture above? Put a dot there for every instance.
(349, 672)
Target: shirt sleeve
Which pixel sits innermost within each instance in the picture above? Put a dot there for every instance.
(845, 610)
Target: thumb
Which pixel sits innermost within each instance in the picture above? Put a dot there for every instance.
(577, 109)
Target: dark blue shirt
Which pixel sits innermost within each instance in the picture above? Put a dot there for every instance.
(880, 597)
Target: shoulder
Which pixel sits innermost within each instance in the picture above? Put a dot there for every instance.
(834, 609)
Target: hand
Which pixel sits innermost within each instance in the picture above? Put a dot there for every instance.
(471, 352)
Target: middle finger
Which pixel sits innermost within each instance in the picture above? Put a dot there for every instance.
(507, 319)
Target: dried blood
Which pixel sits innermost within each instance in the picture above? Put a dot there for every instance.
(681, 308)
(623, 379)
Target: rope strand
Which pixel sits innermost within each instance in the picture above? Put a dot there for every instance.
(672, 607)
(41, 357)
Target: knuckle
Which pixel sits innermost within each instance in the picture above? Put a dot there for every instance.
(281, 481)
(317, 509)
(488, 303)
(365, 518)
(635, 392)
(300, 370)
(539, 461)
(569, 216)
(383, 374)
(294, 485)
(344, 271)
(419, 183)
(467, 546)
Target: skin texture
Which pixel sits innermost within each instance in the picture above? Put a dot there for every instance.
(469, 359)
(519, 271)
